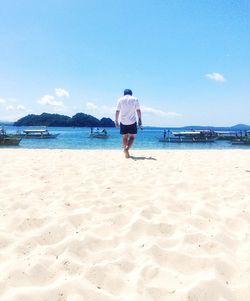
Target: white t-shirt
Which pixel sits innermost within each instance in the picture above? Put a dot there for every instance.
(127, 105)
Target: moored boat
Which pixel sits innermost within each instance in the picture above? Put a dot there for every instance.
(97, 134)
(228, 135)
(38, 134)
(203, 136)
(8, 139)
(243, 140)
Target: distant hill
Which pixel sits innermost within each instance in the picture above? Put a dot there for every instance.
(241, 127)
(78, 120)
(238, 127)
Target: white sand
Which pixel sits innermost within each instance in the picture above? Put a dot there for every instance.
(94, 226)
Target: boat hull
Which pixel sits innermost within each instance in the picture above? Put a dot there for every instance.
(99, 136)
(9, 141)
(187, 140)
(247, 142)
(50, 136)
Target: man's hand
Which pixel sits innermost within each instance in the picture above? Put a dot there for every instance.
(139, 118)
(140, 124)
(117, 118)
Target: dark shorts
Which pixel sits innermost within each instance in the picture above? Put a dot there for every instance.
(128, 129)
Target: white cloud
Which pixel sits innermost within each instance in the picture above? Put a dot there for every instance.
(21, 108)
(2, 100)
(61, 92)
(159, 112)
(91, 106)
(216, 77)
(108, 109)
(16, 108)
(10, 108)
(11, 117)
(99, 109)
(12, 100)
(14, 115)
(50, 101)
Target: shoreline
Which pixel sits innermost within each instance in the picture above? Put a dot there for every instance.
(246, 148)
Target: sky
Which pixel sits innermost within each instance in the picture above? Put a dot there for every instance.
(188, 62)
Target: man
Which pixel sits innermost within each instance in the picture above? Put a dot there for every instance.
(128, 106)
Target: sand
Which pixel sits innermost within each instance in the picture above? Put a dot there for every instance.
(82, 225)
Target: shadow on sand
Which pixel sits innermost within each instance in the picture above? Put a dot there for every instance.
(142, 158)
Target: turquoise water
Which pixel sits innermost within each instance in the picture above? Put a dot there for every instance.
(77, 138)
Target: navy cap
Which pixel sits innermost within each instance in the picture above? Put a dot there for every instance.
(128, 92)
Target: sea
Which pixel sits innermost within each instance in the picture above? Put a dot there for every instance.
(78, 138)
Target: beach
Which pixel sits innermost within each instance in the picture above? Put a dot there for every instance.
(90, 225)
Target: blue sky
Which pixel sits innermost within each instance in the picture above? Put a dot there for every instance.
(188, 62)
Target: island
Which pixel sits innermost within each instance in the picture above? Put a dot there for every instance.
(78, 120)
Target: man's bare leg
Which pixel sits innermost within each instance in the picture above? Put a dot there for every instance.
(125, 140)
(131, 140)
(125, 145)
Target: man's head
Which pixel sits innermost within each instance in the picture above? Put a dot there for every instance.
(128, 92)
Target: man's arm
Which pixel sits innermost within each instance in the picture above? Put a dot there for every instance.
(139, 117)
(116, 118)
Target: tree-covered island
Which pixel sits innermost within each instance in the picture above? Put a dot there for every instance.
(78, 120)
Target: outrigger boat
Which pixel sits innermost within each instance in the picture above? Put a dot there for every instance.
(38, 134)
(228, 135)
(97, 134)
(8, 139)
(244, 140)
(241, 142)
(203, 136)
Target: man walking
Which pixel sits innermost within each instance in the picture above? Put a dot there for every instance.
(128, 106)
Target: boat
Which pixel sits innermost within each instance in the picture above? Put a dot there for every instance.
(97, 134)
(38, 134)
(243, 140)
(202, 136)
(100, 135)
(8, 139)
(228, 135)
